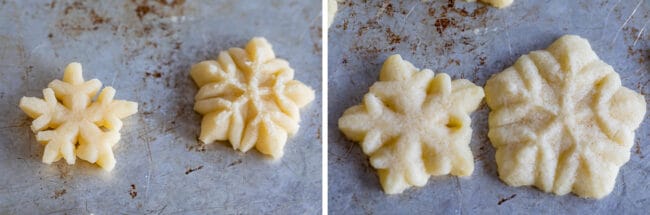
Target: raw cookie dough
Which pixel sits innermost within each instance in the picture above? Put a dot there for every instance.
(413, 124)
(331, 11)
(249, 97)
(495, 3)
(71, 124)
(561, 121)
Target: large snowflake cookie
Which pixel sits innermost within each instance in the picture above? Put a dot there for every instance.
(249, 97)
(561, 121)
(72, 125)
(413, 124)
(496, 3)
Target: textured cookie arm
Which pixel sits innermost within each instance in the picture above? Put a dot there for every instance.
(358, 120)
(47, 112)
(627, 113)
(110, 111)
(59, 143)
(209, 71)
(251, 134)
(628, 108)
(505, 89)
(260, 50)
(405, 96)
(594, 178)
(355, 122)
(465, 95)
(299, 93)
(462, 160)
(446, 151)
(224, 89)
(285, 121)
(396, 69)
(73, 91)
(215, 126)
(95, 145)
(400, 165)
(272, 138)
(572, 53)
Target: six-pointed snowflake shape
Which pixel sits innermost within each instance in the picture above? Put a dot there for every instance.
(249, 97)
(414, 124)
(561, 120)
(72, 125)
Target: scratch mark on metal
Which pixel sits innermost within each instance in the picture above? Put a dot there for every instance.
(640, 33)
(626, 21)
(407, 16)
(609, 12)
(508, 40)
(311, 23)
(115, 77)
(460, 195)
(162, 209)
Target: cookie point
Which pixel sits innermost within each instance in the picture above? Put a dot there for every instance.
(394, 69)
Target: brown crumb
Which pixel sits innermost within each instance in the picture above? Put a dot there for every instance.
(443, 23)
(132, 192)
(153, 74)
(142, 10)
(392, 37)
(59, 193)
(637, 150)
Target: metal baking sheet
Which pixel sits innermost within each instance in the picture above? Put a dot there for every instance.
(144, 49)
(473, 41)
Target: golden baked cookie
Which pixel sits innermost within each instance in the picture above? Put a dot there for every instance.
(414, 124)
(71, 124)
(561, 121)
(249, 97)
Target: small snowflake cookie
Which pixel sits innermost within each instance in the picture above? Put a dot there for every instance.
(414, 124)
(495, 3)
(561, 121)
(249, 97)
(71, 124)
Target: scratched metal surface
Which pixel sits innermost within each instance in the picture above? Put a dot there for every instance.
(144, 49)
(475, 44)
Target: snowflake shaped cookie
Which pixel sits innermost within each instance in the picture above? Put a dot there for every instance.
(72, 125)
(561, 121)
(413, 124)
(249, 97)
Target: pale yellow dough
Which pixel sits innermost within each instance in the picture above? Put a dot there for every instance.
(68, 116)
(561, 121)
(413, 124)
(249, 97)
(332, 6)
(495, 3)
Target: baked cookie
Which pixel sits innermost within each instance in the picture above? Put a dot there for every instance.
(249, 97)
(71, 124)
(561, 121)
(414, 124)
